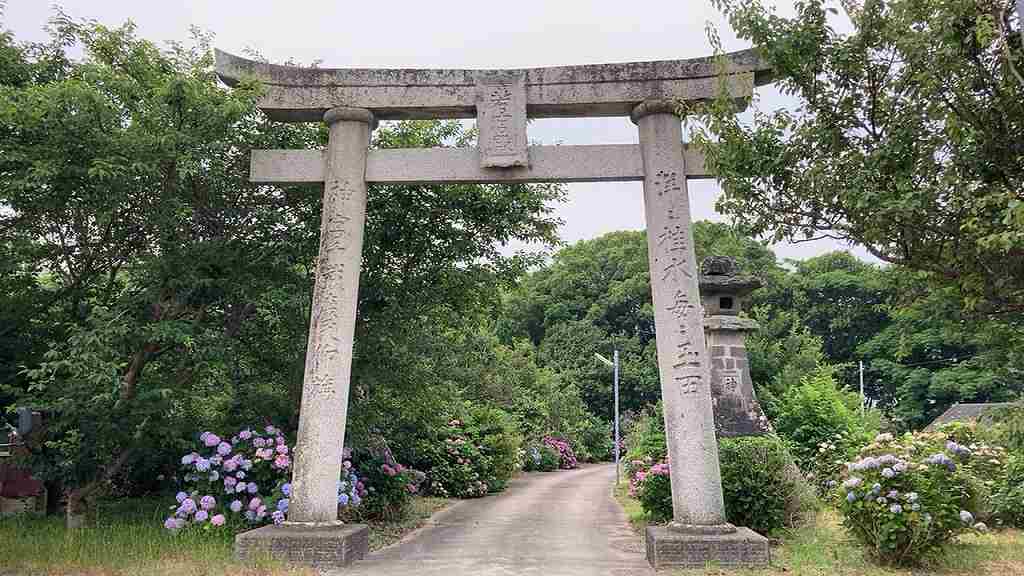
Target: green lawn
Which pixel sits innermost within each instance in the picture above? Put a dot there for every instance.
(824, 549)
(129, 538)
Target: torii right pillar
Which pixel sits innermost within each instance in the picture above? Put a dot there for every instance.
(698, 533)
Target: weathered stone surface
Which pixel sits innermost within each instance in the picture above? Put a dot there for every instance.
(501, 119)
(321, 546)
(325, 384)
(669, 548)
(737, 411)
(304, 94)
(600, 163)
(682, 356)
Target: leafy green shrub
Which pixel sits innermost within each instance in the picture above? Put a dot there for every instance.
(763, 490)
(822, 425)
(906, 498)
(654, 490)
(1008, 496)
(476, 454)
(540, 457)
(392, 486)
(761, 485)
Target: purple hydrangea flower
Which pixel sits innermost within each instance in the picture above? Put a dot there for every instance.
(277, 516)
(202, 515)
(852, 482)
(202, 464)
(280, 440)
(236, 506)
(223, 448)
(356, 499)
(211, 440)
(241, 487)
(258, 442)
(343, 499)
(172, 523)
(230, 465)
(255, 503)
(229, 481)
(270, 430)
(207, 502)
(252, 488)
(245, 434)
(283, 449)
(180, 497)
(188, 506)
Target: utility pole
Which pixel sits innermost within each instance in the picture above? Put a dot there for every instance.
(614, 364)
(863, 400)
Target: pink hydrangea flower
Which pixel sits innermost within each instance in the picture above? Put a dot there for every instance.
(218, 520)
(211, 440)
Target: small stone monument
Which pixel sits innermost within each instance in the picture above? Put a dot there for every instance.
(723, 290)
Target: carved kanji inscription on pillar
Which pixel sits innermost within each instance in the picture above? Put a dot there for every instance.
(501, 119)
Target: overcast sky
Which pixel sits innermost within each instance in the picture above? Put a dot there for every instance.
(458, 34)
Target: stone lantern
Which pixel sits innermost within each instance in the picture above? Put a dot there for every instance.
(723, 291)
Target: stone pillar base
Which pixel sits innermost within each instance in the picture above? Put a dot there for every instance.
(671, 548)
(313, 545)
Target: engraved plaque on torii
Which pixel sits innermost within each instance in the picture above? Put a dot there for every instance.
(501, 119)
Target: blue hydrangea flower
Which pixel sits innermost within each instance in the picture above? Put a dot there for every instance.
(236, 506)
(343, 499)
(282, 504)
(851, 497)
(286, 489)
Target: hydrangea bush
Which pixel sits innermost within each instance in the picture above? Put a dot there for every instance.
(566, 456)
(905, 498)
(540, 458)
(244, 480)
(472, 455)
(392, 487)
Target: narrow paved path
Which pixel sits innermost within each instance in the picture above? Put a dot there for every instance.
(552, 524)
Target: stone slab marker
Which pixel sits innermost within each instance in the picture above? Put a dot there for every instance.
(699, 532)
(313, 534)
(501, 119)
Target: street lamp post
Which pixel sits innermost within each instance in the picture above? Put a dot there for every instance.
(614, 364)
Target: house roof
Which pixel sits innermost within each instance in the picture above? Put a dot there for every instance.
(965, 413)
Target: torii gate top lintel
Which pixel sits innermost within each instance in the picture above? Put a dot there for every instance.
(298, 94)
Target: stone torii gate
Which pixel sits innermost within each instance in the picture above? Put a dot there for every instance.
(351, 101)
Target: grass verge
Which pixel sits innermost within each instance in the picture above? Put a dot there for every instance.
(822, 548)
(128, 538)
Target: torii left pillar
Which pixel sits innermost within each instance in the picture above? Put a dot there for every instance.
(313, 535)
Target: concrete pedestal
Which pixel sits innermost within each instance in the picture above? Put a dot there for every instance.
(312, 545)
(671, 548)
